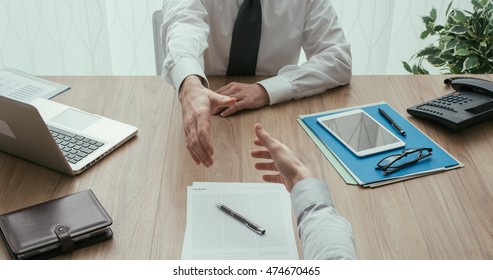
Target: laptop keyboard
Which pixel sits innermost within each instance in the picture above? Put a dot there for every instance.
(74, 147)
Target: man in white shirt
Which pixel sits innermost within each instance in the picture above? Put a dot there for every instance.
(197, 38)
(324, 234)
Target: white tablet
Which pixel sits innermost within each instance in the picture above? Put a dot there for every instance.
(360, 133)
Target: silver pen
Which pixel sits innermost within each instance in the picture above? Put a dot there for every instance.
(251, 225)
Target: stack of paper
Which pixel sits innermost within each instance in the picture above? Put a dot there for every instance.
(213, 234)
(23, 87)
(361, 170)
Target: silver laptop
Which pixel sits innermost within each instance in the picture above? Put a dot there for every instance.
(57, 136)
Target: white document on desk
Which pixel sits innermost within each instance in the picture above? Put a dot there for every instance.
(24, 87)
(212, 234)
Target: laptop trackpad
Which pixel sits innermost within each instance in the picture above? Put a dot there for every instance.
(74, 119)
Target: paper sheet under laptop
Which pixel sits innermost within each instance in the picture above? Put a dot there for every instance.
(23, 87)
(212, 234)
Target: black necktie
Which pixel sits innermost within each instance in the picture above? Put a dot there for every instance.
(245, 40)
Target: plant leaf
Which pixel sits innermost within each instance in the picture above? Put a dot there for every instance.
(448, 8)
(419, 70)
(407, 67)
(438, 28)
(459, 29)
(427, 20)
(424, 34)
(470, 63)
(433, 14)
(428, 51)
(436, 61)
(423, 71)
(462, 52)
(451, 44)
(460, 17)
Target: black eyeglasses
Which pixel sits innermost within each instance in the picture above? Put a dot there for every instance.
(407, 157)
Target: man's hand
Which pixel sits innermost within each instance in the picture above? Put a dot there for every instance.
(248, 96)
(291, 169)
(197, 102)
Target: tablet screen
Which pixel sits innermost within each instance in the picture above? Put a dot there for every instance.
(360, 132)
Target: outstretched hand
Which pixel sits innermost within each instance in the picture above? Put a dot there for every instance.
(197, 103)
(289, 167)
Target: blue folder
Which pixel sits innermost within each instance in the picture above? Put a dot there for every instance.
(363, 168)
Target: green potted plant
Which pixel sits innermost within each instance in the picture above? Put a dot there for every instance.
(464, 43)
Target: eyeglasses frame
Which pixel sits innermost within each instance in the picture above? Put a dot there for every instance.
(404, 153)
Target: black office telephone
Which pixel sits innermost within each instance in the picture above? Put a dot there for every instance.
(471, 103)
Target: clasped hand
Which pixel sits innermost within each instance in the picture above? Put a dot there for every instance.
(248, 96)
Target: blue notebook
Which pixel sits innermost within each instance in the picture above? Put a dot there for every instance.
(362, 169)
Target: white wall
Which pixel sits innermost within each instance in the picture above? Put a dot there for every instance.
(114, 37)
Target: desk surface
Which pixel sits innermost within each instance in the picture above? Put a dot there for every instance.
(142, 185)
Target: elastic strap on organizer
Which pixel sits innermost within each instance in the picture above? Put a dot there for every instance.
(65, 239)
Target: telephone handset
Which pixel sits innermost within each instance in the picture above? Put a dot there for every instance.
(471, 103)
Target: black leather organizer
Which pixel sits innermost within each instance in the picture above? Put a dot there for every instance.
(55, 227)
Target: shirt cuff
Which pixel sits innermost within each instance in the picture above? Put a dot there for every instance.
(279, 89)
(309, 191)
(184, 68)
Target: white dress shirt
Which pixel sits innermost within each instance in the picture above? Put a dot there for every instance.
(197, 39)
(323, 232)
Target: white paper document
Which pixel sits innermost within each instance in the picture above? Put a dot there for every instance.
(23, 87)
(213, 234)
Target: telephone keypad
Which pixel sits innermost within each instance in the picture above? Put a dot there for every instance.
(447, 102)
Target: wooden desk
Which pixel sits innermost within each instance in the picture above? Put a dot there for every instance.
(143, 184)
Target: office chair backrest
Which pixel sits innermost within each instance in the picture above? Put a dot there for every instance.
(157, 21)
